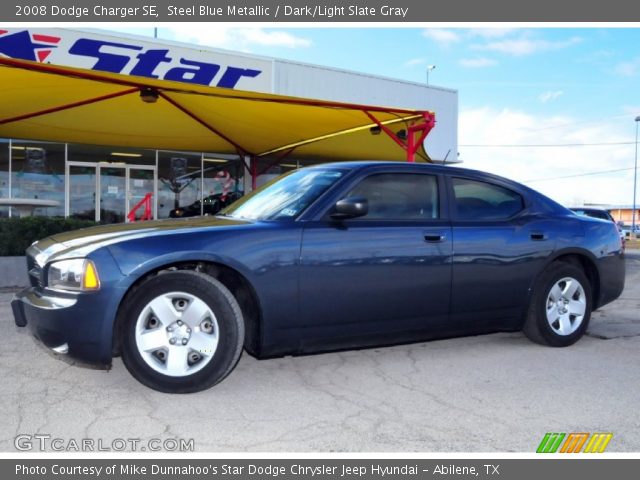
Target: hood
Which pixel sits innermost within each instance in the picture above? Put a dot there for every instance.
(85, 240)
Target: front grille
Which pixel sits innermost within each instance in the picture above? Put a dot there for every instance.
(35, 272)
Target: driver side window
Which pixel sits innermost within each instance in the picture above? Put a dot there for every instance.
(399, 196)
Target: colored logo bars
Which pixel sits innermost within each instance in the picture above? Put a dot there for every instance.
(574, 442)
(28, 46)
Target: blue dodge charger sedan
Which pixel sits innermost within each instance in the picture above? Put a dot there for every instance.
(328, 257)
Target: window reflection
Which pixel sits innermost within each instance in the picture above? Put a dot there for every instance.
(287, 196)
(178, 181)
(38, 173)
(223, 183)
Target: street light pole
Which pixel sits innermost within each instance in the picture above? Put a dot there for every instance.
(429, 68)
(635, 184)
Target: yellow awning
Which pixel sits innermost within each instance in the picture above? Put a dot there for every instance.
(55, 103)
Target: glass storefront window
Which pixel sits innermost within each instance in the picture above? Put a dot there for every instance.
(223, 183)
(107, 183)
(82, 191)
(178, 181)
(37, 172)
(267, 171)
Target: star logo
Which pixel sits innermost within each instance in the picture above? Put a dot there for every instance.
(27, 46)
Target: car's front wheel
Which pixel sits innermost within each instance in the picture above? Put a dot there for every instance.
(181, 332)
(560, 306)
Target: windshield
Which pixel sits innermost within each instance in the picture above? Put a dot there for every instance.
(286, 196)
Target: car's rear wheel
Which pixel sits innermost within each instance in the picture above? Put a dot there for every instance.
(560, 307)
(181, 332)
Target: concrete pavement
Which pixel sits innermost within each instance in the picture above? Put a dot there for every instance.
(486, 393)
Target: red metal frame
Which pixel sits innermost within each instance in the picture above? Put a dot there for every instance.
(412, 146)
(146, 215)
(422, 128)
(60, 108)
(192, 115)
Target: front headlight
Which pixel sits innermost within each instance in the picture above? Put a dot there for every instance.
(77, 274)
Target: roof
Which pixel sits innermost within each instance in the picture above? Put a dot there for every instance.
(55, 103)
(436, 168)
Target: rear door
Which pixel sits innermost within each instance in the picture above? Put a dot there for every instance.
(498, 247)
(386, 273)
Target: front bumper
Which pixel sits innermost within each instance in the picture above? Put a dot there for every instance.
(66, 323)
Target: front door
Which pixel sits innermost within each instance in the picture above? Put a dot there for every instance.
(140, 183)
(107, 192)
(385, 274)
(113, 194)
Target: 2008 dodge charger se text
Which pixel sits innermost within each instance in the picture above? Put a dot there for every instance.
(327, 257)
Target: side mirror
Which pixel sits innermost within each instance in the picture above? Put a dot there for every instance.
(350, 207)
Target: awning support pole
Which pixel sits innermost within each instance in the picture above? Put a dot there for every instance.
(254, 172)
(411, 147)
(423, 129)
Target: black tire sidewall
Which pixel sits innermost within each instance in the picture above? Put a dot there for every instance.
(545, 283)
(228, 317)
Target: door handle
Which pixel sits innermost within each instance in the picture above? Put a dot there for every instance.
(434, 237)
(538, 236)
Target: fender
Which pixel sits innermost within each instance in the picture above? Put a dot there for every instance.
(583, 252)
(157, 263)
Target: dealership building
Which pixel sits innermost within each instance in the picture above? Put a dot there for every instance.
(105, 181)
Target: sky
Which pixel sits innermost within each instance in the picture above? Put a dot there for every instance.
(553, 108)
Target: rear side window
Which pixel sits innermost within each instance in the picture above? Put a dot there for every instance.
(602, 215)
(399, 196)
(484, 201)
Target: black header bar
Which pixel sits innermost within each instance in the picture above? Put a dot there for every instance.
(583, 468)
(380, 11)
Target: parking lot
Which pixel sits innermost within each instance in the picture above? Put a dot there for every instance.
(484, 394)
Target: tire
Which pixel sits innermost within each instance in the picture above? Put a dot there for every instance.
(560, 307)
(182, 332)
